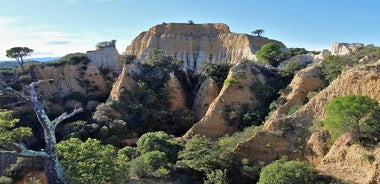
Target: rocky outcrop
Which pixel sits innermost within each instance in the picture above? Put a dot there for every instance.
(123, 83)
(293, 131)
(72, 82)
(177, 94)
(206, 93)
(305, 81)
(196, 44)
(321, 56)
(343, 49)
(106, 58)
(304, 59)
(236, 96)
(352, 162)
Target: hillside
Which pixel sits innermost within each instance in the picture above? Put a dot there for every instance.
(188, 102)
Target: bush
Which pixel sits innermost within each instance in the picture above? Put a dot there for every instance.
(74, 58)
(353, 113)
(127, 59)
(297, 51)
(290, 69)
(332, 66)
(154, 163)
(285, 172)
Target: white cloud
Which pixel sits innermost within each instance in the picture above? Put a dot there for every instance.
(56, 40)
(44, 40)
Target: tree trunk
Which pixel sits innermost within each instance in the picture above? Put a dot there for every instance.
(53, 169)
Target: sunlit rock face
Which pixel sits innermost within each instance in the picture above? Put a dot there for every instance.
(196, 44)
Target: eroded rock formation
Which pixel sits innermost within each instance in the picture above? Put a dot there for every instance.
(236, 96)
(196, 44)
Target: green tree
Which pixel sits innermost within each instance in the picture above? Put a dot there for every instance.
(88, 162)
(200, 154)
(285, 172)
(353, 113)
(153, 163)
(8, 134)
(258, 32)
(159, 141)
(19, 53)
(105, 44)
(270, 53)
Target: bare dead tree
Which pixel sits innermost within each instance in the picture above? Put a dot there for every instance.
(53, 169)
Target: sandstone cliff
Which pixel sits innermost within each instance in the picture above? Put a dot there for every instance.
(198, 43)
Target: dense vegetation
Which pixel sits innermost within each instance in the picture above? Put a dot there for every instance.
(333, 66)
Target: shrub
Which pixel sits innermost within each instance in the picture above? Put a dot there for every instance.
(297, 51)
(353, 113)
(285, 172)
(74, 58)
(231, 81)
(26, 78)
(127, 59)
(332, 66)
(159, 60)
(290, 69)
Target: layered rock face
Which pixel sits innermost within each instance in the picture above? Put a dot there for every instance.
(291, 136)
(196, 44)
(73, 84)
(106, 58)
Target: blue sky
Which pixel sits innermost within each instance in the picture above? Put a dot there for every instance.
(57, 27)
